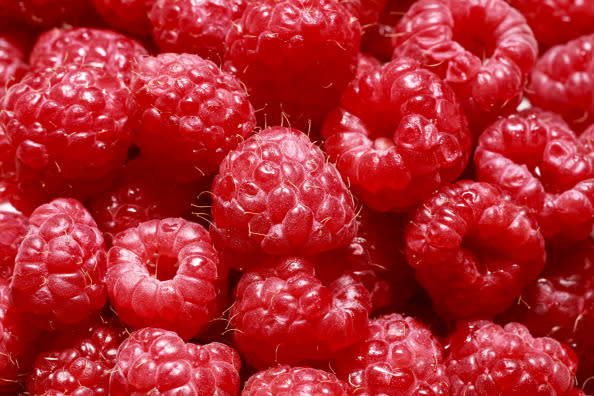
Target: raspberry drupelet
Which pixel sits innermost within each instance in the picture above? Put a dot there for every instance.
(157, 361)
(483, 48)
(293, 381)
(473, 249)
(398, 134)
(130, 16)
(59, 272)
(276, 194)
(166, 273)
(13, 228)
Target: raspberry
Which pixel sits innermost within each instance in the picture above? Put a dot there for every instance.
(293, 381)
(276, 194)
(59, 270)
(79, 362)
(13, 65)
(485, 358)
(557, 21)
(104, 49)
(366, 11)
(473, 249)
(562, 82)
(284, 314)
(295, 57)
(69, 128)
(48, 13)
(398, 356)
(13, 228)
(194, 26)
(484, 49)
(538, 159)
(128, 15)
(159, 362)
(189, 115)
(398, 134)
(165, 273)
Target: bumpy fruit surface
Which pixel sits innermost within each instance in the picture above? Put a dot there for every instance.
(294, 381)
(13, 228)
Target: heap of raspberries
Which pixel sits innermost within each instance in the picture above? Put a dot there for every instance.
(297, 197)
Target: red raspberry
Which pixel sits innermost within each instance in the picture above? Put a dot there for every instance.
(483, 48)
(60, 266)
(128, 15)
(13, 228)
(398, 135)
(487, 359)
(557, 21)
(48, 13)
(69, 128)
(538, 159)
(295, 57)
(276, 194)
(194, 26)
(563, 79)
(104, 49)
(79, 362)
(366, 11)
(189, 115)
(474, 249)
(294, 381)
(13, 65)
(165, 273)
(284, 314)
(159, 362)
(398, 356)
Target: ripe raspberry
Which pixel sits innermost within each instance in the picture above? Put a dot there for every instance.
(538, 159)
(295, 57)
(131, 16)
(13, 65)
(284, 314)
(189, 114)
(69, 128)
(159, 362)
(276, 194)
(79, 362)
(398, 356)
(483, 48)
(100, 48)
(294, 381)
(165, 273)
(366, 11)
(59, 270)
(487, 359)
(473, 249)
(563, 79)
(557, 21)
(49, 13)
(398, 135)
(13, 227)
(194, 26)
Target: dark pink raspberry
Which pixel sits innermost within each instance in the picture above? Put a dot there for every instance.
(49, 13)
(13, 65)
(166, 274)
(69, 128)
(100, 48)
(295, 57)
(557, 21)
(398, 134)
(79, 362)
(130, 16)
(189, 114)
(13, 228)
(284, 314)
(487, 359)
(194, 26)
(277, 194)
(59, 272)
(474, 249)
(539, 160)
(158, 361)
(398, 356)
(294, 381)
(484, 49)
(563, 82)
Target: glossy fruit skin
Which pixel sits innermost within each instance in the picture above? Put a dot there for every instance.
(484, 49)
(156, 360)
(398, 134)
(130, 16)
(59, 272)
(473, 249)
